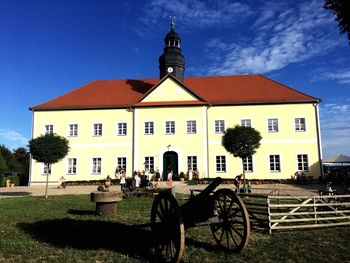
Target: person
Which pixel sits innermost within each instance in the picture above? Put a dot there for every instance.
(237, 182)
(62, 183)
(117, 172)
(123, 180)
(169, 173)
(137, 180)
(301, 178)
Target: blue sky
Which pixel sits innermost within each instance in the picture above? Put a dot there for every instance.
(48, 48)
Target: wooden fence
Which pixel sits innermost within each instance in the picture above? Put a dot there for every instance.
(272, 212)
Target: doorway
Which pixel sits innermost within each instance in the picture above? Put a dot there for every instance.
(170, 159)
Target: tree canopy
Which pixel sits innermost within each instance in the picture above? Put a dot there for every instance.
(241, 141)
(341, 9)
(8, 162)
(48, 148)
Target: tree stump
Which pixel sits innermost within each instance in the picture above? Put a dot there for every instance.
(106, 202)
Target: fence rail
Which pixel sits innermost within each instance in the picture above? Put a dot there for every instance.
(300, 212)
(270, 212)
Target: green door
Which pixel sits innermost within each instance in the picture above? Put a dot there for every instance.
(170, 162)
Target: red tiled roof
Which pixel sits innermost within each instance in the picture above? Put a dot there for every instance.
(244, 89)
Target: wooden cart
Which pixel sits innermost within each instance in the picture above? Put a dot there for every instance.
(223, 210)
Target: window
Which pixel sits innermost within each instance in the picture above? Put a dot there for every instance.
(98, 129)
(49, 129)
(246, 123)
(170, 127)
(275, 165)
(149, 128)
(121, 162)
(73, 130)
(248, 164)
(96, 165)
(191, 127)
(300, 124)
(221, 164)
(303, 162)
(47, 169)
(122, 128)
(219, 126)
(192, 163)
(149, 163)
(272, 125)
(72, 166)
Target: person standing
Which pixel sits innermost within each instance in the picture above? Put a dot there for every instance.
(123, 180)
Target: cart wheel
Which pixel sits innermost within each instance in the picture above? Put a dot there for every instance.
(232, 232)
(167, 228)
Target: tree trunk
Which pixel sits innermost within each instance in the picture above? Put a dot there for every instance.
(47, 180)
(243, 174)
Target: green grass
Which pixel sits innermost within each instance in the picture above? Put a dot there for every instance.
(65, 229)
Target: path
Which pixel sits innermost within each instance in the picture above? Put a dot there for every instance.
(284, 189)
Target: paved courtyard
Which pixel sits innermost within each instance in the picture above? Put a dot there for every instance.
(180, 188)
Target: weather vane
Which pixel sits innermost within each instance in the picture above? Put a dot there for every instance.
(172, 18)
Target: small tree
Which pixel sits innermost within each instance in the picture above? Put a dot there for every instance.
(242, 142)
(48, 149)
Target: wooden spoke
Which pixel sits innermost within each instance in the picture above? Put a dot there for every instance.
(167, 228)
(233, 228)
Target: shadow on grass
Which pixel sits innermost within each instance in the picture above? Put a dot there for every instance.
(90, 234)
(81, 212)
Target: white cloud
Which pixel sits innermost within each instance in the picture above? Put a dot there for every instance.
(12, 138)
(193, 14)
(335, 129)
(282, 35)
(340, 76)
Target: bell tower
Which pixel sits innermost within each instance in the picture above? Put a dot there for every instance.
(172, 61)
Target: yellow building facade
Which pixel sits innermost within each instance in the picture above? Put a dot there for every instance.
(172, 123)
(177, 123)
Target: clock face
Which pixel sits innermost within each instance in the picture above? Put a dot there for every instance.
(170, 69)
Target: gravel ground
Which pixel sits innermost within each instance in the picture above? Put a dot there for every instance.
(283, 189)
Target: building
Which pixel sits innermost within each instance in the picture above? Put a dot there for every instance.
(177, 121)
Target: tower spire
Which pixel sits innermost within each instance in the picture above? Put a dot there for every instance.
(172, 61)
(172, 21)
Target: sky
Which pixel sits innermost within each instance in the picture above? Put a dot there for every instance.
(48, 48)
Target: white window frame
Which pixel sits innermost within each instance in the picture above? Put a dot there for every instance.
(170, 127)
(191, 127)
(298, 125)
(122, 128)
(248, 162)
(272, 125)
(302, 163)
(221, 166)
(219, 126)
(93, 166)
(46, 166)
(149, 127)
(148, 163)
(96, 131)
(73, 130)
(274, 163)
(72, 168)
(245, 121)
(192, 163)
(122, 162)
(48, 128)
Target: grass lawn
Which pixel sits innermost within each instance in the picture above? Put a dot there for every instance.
(65, 229)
